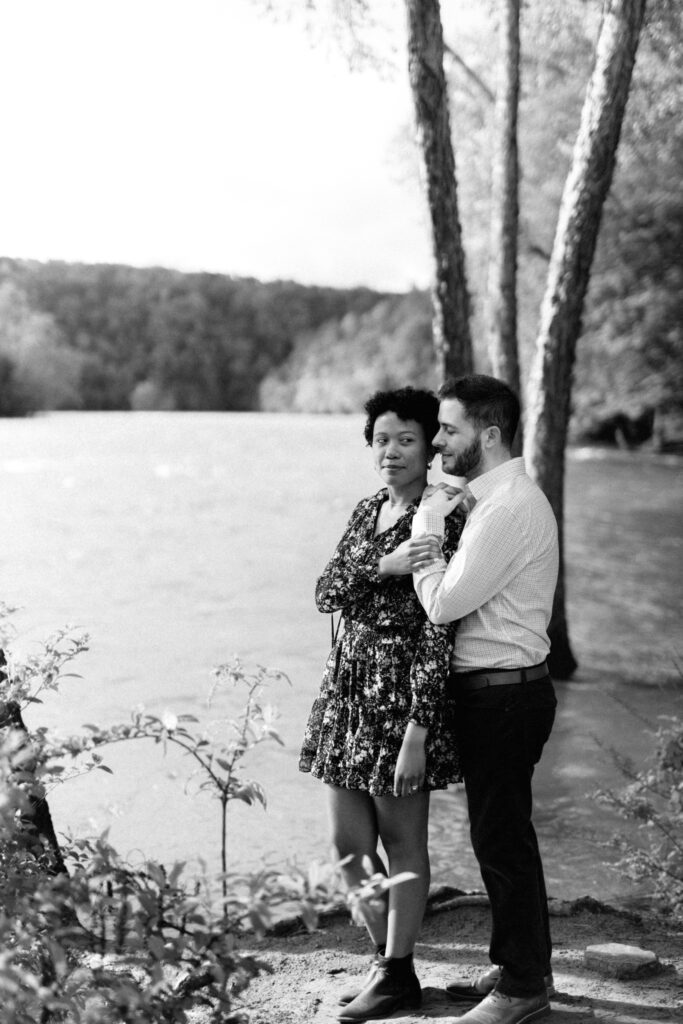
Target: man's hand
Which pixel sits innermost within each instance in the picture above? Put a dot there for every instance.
(442, 497)
(413, 554)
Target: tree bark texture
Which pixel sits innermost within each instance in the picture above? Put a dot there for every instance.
(585, 191)
(501, 312)
(450, 298)
(38, 830)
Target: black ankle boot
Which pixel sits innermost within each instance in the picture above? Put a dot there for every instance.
(349, 994)
(394, 987)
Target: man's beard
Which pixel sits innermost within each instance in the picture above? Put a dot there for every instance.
(466, 462)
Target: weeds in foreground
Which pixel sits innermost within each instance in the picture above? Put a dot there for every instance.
(652, 800)
(86, 938)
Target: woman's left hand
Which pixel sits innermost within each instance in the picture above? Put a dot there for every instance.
(409, 775)
(412, 554)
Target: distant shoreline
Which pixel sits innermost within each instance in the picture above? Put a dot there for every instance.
(580, 452)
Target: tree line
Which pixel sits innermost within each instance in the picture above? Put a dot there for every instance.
(78, 336)
(104, 337)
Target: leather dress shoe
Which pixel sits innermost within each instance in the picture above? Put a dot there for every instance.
(474, 991)
(349, 994)
(387, 992)
(497, 1008)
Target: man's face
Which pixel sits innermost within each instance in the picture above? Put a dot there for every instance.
(458, 441)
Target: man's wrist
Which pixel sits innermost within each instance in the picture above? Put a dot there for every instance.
(428, 521)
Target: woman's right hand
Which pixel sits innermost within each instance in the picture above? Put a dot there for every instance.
(413, 554)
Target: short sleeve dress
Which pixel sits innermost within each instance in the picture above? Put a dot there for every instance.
(388, 665)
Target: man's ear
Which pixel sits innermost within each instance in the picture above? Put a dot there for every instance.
(492, 436)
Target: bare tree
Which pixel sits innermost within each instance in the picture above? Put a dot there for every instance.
(450, 299)
(585, 191)
(501, 304)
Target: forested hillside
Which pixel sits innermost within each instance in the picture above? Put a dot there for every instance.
(74, 336)
(335, 368)
(77, 336)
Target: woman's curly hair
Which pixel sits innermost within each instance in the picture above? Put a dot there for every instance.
(409, 404)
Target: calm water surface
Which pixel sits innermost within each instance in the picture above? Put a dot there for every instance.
(177, 540)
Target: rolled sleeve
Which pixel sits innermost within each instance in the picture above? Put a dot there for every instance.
(428, 521)
(478, 570)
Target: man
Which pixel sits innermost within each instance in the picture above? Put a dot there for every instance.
(499, 585)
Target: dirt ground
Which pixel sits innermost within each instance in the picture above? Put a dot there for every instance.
(306, 972)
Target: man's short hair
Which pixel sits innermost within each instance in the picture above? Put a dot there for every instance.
(488, 402)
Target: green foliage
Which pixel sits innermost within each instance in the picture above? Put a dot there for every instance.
(334, 368)
(220, 764)
(14, 398)
(372, 890)
(123, 337)
(630, 359)
(37, 370)
(630, 356)
(653, 802)
(106, 942)
(114, 337)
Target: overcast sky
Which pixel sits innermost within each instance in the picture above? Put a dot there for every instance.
(203, 135)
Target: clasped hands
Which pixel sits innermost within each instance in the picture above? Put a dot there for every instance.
(443, 497)
(418, 552)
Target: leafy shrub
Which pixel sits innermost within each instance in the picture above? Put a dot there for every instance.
(653, 801)
(103, 942)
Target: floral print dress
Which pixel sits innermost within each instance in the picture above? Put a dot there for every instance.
(388, 665)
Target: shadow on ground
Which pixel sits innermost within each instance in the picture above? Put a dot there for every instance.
(306, 972)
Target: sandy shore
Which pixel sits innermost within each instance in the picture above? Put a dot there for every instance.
(305, 972)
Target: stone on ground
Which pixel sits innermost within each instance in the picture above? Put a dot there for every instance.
(615, 960)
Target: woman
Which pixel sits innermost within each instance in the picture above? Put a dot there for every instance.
(379, 734)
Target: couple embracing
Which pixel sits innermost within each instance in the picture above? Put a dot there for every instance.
(439, 676)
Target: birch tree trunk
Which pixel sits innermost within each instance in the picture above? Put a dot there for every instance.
(501, 304)
(450, 299)
(587, 185)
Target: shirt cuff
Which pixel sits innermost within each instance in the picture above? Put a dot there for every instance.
(439, 565)
(428, 520)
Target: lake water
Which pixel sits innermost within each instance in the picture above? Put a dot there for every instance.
(177, 540)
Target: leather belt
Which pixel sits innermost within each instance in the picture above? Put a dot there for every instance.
(502, 677)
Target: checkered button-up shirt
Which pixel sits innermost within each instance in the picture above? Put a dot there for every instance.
(500, 582)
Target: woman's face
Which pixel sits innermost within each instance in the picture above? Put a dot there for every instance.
(399, 450)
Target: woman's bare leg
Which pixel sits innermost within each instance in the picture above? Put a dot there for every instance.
(353, 820)
(402, 824)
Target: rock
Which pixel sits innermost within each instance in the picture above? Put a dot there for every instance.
(615, 960)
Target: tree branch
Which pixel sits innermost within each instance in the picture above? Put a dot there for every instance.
(471, 74)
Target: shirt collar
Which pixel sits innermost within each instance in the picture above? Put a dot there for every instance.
(484, 485)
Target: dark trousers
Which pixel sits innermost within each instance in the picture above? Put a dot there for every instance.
(502, 731)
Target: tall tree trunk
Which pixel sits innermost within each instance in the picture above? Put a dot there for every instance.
(586, 188)
(450, 299)
(501, 305)
(36, 828)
